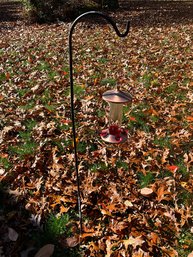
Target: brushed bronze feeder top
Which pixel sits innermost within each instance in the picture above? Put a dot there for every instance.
(117, 96)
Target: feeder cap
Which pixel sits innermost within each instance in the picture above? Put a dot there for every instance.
(117, 96)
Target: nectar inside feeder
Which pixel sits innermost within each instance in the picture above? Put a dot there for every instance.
(116, 99)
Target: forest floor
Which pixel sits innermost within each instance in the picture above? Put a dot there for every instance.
(136, 196)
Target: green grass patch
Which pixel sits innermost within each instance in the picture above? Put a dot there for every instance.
(100, 113)
(145, 179)
(182, 168)
(174, 93)
(79, 89)
(55, 227)
(29, 105)
(22, 150)
(52, 75)
(62, 144)
(103, 60)
(22, 91)
(171, 88)
(4, 162)
(30, 124)
(25, 135)
(185, 243)
(108, 81)
(81, 147)
(140, 118)
(146, 79)
(2, 77)
(46, 96)
(163, 142)
(100, 166)
(122, 164)
(50, 107)
(43, 66)
(184, 196)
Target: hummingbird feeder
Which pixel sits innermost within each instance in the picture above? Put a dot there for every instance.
(116, 99)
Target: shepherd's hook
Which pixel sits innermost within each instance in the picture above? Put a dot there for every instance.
(106, 17)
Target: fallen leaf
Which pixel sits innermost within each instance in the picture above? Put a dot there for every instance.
(189, 118)
(8, 75)
(94, 246)
(107, 210)
(2, 171)
(170, 252)
(154, 238)
(190, 254)
(172, 168)
(128, 203)
(139, 253)
(70, 241)
(152, 112)
(132, 118)
(134, 241)
(165, 155)
(45, 251)
(64, 209)
(109, 247)
(91, 234)
(146, 191)
(12, 234)
(162, 193)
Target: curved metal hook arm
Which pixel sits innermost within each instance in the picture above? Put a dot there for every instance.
(72, 89)
(106, 17)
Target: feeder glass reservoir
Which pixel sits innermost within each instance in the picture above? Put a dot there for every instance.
(116, 99)
(116, 113)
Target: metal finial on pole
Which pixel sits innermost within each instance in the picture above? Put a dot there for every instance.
(109, 20)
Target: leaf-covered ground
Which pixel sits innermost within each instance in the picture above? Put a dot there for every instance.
(137, 196)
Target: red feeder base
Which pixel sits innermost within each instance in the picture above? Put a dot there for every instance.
(114, 135)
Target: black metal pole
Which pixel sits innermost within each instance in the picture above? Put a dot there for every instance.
(106, 17)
